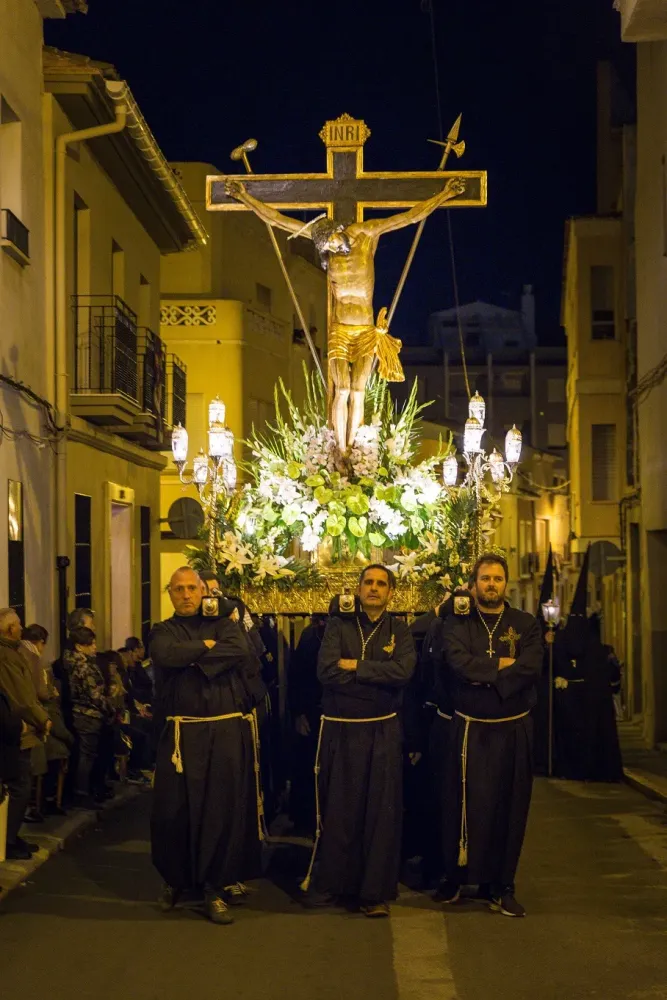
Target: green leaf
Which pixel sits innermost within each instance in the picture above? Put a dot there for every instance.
(316, 480)
(335, 525)
(293, 470)
(323, 495)
(358, 504)
(382, 472)
(357, 526)
(377, 539)
(269, 514)
(416, 524)
(336, 507)
(291, 513)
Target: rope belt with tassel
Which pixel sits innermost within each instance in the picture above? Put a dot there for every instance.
(251, 719)
(463, 838)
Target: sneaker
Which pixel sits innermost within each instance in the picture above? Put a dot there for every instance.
(507, 905)
(236, 894)
(217, 910)
(168, 898)
(447, 892)
(375, 910)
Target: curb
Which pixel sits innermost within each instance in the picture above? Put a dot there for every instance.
(653, 788)
(62, 832)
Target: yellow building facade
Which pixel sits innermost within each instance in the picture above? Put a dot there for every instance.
(88, 391)
(227, 312)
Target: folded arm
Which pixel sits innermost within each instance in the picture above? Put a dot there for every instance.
(466, 665)
(395, 672)
(526, 667)
(16, 682)
(328, 670)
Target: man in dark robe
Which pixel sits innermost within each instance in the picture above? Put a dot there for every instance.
(587, 747)
(207, 820)
(365, 661)
(495, 656)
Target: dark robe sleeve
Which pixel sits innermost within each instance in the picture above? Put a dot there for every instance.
(475, 669)
(395, 672)
(526, 668)
(328, 671)
(171, 652)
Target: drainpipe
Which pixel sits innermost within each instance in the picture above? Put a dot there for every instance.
(62, 400)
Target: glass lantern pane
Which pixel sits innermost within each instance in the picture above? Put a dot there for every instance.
(179, 443)
(216, 411)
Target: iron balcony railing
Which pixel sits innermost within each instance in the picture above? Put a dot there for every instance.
(13, 231)
(106, 346)
(178, 380)
(153, 374)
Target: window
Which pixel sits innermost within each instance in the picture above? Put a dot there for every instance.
(603, 458)
(81, 235)
(83, 567)
(145, 541)
(263, 296)
(556, 436)
(15, 550)
(603, 326)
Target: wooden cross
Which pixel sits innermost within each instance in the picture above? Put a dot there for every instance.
(346, 190)
(512, 638)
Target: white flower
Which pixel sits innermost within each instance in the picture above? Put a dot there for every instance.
(430, 543)
(273, 566)
(408, 564)
(232, 552)
(309, 539)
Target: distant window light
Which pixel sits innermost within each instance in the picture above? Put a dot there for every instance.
(603, 322)
(263, 296)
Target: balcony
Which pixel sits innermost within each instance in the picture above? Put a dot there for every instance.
(148, 427)
(177, 381)
(14, 237)
(105, 385)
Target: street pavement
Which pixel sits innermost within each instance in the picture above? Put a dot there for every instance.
(593, 879)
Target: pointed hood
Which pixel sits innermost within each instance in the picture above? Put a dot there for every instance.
(547, 590)
(580, 599)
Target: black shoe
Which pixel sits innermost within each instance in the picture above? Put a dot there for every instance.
(507, 905)
(484, 893)
(217, 910)
(374, 910)
(26, 845)
(15, 853)
(447, 892)
(236, 894)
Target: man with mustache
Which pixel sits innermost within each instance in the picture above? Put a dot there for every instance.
(494, 654)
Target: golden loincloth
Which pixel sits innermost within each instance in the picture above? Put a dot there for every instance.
(352, 343)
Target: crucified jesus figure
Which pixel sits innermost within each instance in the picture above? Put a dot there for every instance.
(355, 338)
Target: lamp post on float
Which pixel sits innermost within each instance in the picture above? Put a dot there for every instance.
(480, 465)
(214, 472)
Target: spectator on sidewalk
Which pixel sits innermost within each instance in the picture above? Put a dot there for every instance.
(11, 728)
(17, 684)
(91, 710)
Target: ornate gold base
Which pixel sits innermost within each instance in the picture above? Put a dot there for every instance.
(408, 598)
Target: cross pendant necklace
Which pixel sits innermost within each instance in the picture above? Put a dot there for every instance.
(364, 642)
(490, 631)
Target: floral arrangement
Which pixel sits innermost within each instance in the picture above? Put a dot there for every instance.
(302, 495)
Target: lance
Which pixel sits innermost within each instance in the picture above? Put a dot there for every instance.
(241, 153)
(452, 145)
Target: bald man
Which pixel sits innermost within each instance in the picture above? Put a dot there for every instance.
(206, 825)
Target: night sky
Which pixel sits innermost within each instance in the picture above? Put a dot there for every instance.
(208, 75)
